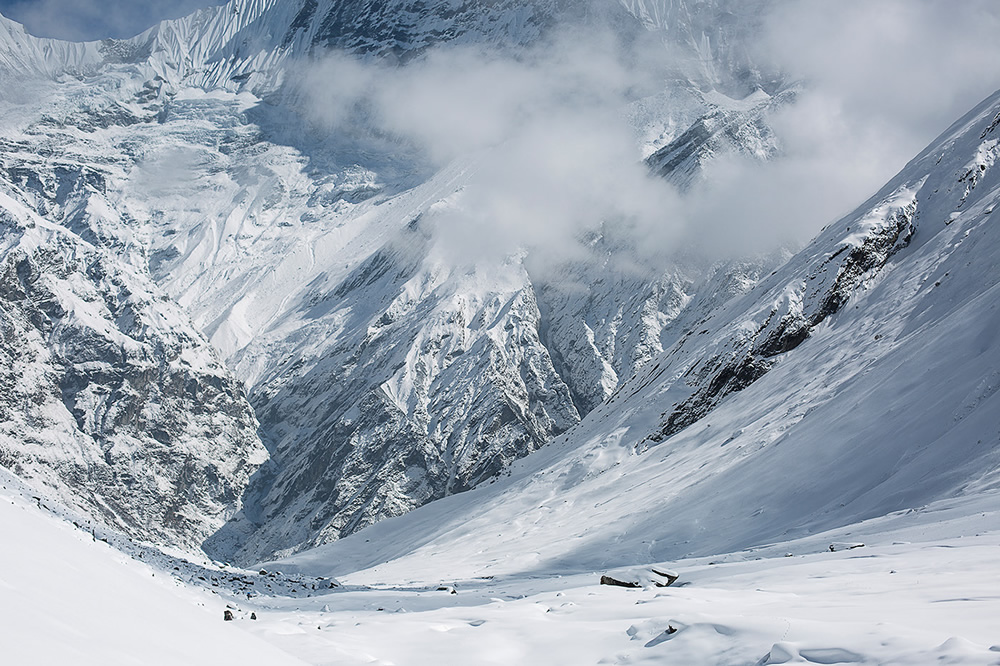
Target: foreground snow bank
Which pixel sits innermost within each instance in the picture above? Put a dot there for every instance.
(66, 598)
(923, 589)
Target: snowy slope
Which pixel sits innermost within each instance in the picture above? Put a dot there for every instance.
(68, 598)
(922, 589)
(856, 381)
(23, 54)
(383, 375)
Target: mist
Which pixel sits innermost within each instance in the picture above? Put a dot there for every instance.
(549, 152)
(553, 158)
(879, 81)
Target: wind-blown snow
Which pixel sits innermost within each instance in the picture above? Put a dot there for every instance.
(69, 598)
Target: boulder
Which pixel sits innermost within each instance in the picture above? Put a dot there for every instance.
(640, 577)
(609, 580)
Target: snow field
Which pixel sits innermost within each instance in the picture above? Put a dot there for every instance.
(917, 592)
(934, 599)
(66, 598)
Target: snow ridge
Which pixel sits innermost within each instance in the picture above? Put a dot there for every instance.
(382, 375)
(856, 382)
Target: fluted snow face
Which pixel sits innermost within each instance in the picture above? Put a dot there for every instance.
(247, 44)
(192, 202)
(23, 54)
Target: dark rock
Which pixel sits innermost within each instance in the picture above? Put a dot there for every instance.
(608, 580)
(641, 577)
(669, 577)
(227, 615)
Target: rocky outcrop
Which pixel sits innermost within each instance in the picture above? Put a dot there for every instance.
(726, 356)
(746, 355)
(743, 131)
(108, 396)
(605, 318)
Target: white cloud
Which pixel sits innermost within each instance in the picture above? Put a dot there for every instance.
(882, 80)
(911, 65)
(556, 157)
(554, 154)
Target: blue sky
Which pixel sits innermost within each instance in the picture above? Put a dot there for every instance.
(95, 19)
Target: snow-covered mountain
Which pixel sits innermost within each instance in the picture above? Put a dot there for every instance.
(383, 373)
(858, 381)
(881, 404)
(248, 44)
(236, 320)
(111, 397)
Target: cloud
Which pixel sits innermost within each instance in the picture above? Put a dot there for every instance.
(881, 81)
(550, 150)
(86, 20)
(830, 162)
(556, 158)
(911, 65)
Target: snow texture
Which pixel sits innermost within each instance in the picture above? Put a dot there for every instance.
(383, 375)
(811, 446)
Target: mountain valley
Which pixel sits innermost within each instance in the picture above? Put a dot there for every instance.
(407, 302)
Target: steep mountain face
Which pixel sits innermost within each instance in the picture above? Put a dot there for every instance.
(109, 396)
(734, 129)
(404, 28)
(249, 44)
(715, 40)
(410, 380)
(603, 322)
(433, 382)
(384, 373)
(856, 381)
